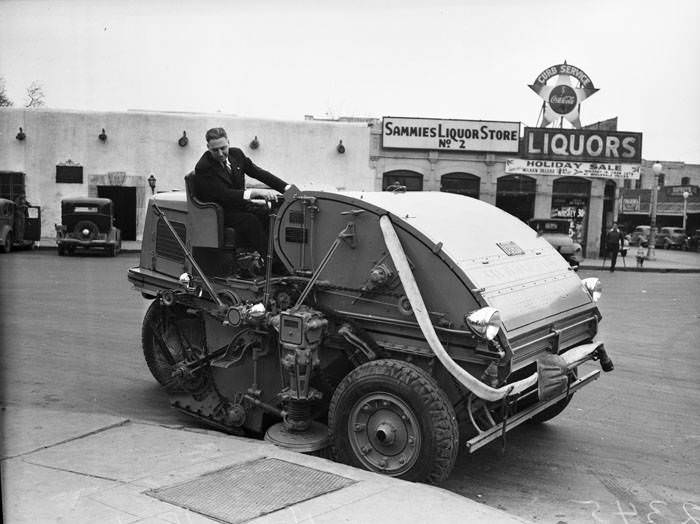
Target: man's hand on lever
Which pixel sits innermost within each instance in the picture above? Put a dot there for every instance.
(268, 195)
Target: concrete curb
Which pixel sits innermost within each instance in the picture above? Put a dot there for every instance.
(89, 467)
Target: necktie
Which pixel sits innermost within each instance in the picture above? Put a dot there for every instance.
(227, 165)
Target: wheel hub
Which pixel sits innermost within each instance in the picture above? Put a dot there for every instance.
(384, 433)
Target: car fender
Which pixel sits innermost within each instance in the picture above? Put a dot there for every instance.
(4, 230)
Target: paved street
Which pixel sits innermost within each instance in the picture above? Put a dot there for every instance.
(626, 450)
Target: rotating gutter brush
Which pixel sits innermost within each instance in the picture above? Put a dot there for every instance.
(301, 331)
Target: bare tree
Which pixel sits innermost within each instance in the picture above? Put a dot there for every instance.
(35, 95)
(4, 99)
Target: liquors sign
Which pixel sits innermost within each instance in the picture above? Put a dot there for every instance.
(450, 135)
(582, 145)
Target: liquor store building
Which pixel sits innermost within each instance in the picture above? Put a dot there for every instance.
(565, 173)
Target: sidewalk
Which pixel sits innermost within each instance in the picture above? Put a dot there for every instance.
(77, 467)
(666, 261)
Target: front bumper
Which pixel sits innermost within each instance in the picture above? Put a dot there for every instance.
(552, 385)
(484, 437)
(85, 243)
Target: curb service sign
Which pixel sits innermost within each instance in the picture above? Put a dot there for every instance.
(450, 135)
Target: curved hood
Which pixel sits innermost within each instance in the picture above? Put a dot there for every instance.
(509, 265)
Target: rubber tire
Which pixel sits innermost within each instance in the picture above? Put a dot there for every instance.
(556, 409)
(61, 251)
(156, 362)
(7, 246)
(429, 404)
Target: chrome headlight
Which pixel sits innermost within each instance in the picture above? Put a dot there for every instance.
(485, 322)
(594, 287)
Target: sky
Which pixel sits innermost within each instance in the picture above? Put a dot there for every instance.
(283, 59)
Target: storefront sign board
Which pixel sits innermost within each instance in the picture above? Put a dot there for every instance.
(587, 145)
(450, 135)
(522, 166)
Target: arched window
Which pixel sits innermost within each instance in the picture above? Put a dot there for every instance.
(515, 194)
(402, 177)
(685, 181)
(460, 183)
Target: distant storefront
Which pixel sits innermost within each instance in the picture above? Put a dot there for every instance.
(673, 203)
(548, 172)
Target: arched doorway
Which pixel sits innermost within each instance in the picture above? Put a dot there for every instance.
(570, 198)
(461, 184)
(515, 194)
(410, 179)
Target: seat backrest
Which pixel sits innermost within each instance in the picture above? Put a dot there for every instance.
(205, 220)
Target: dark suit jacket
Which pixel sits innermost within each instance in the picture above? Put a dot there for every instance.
(211, 182)
(613, 239)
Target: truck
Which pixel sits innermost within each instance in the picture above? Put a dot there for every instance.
(388, 330)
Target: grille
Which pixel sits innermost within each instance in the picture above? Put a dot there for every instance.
(297, 235)
(556, 339)
(166, 245)
(246, 491)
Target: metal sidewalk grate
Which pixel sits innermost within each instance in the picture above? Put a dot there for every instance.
(249, 490)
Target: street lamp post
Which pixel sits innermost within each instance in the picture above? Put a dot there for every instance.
(651, 251)
(686, 194)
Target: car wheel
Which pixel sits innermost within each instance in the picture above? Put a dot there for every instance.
(391, 417)
(7, 245)
(61, 251)
(667, 244)
(163, 334)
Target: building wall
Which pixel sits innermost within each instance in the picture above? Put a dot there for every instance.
(139, 143)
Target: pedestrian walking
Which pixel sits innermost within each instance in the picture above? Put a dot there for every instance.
(613, 244)
(640, 254)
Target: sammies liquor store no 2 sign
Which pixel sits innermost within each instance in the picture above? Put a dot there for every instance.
(450, 135)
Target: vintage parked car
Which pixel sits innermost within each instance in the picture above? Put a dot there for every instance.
(556, 232)
(382, 335)
(640, 233)
(87, 223)
(694, 241)
(666, 237)
(20, 225)
(672, 237)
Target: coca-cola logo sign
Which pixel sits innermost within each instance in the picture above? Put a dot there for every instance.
(562, 87)
(563, 99)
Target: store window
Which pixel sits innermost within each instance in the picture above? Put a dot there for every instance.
(685, 181)
(515, 194)
(411, 180)
(461, 184)
(570, 198)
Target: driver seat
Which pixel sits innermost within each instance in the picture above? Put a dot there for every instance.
(205, 222)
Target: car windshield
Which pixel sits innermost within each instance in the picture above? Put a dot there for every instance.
(552, 227)
(85, 209)
(677, 231)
